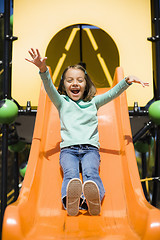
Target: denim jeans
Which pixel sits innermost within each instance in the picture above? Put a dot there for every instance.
(84, 157)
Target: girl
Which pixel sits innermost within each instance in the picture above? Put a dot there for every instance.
(77, 106)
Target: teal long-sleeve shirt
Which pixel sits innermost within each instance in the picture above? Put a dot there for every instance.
(78, 119)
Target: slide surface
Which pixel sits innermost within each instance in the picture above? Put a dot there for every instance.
(38, 212)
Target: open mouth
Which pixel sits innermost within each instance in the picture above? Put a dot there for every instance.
(75, 91)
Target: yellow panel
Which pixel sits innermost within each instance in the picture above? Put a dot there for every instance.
(37, 22)
(100, 60)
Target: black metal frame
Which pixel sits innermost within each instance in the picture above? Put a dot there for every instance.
(155, 39)
(6, 94)
(81, 46)
(8, 38)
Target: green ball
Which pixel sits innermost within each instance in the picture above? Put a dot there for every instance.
(22, 169)
(154, 112)
(18, 147)
(141, 146)
(8, 111)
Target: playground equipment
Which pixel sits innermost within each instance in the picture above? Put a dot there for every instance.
(38, 213)
(8, 38)
(8, 111)
(154, 107)
(118, 220)
(154, 112)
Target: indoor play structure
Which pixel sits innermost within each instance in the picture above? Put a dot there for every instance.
(38, 213)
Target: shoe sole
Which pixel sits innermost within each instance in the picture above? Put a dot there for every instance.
(74, 191)
(91, 193)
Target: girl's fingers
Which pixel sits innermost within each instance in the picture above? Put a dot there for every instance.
(133, 79)
(28, 60)
(44, 59)
(38, 53)
(36, 58)
(34, 53)
(144, 84)
(30, 53)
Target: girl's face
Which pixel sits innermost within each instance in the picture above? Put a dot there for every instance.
(75, 83)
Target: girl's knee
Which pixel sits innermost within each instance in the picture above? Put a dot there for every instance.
(71, 173)
(90, 172)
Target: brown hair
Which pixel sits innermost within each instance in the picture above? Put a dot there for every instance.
(90, 89)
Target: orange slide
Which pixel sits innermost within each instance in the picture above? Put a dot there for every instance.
(38, 212)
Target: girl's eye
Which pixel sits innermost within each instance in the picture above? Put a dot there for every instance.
(69, 80)
(80, 80)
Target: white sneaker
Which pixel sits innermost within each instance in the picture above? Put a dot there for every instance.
(74, 191)
(91, 193)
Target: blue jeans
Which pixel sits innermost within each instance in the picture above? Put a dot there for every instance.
(84, 157)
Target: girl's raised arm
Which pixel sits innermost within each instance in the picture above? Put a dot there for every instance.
(117, 90)
(37, 60)
(45, 76)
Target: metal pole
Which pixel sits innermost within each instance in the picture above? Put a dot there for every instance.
(7, 44)
(80, 43)
(142, 131)
(155, 39)
(80, 47)
(4, 170)
(156, 184)
(144, 174)
(16, 176)
(6, 94)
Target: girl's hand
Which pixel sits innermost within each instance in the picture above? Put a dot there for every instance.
(133, 79)
(37, 60)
